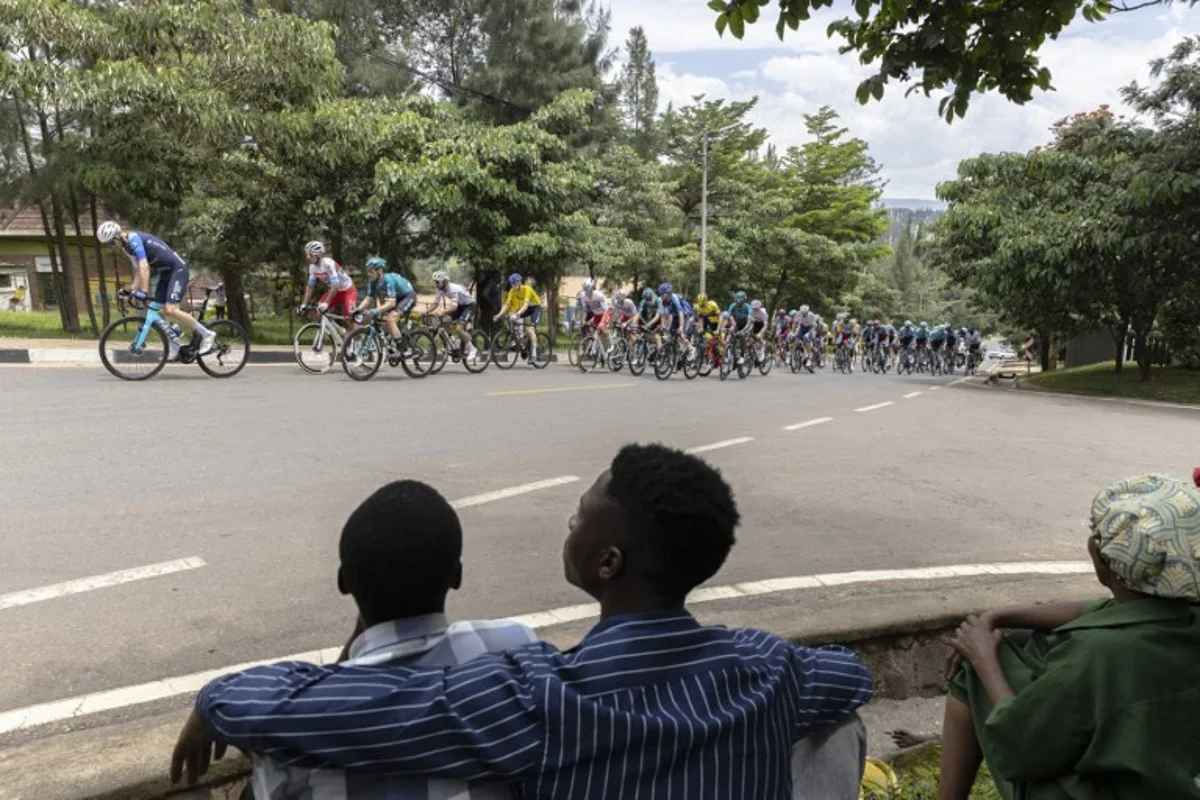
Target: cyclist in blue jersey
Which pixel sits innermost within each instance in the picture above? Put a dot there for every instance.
(394, 296)
(672, 313)
(922, 336)
(937, 337)
(145, 250)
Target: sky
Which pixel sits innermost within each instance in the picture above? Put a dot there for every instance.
(914, 146)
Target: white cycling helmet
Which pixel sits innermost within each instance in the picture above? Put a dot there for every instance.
(314, 249)
(618, 297)
(803, 309)
(440, 277)
(588, 284)
(757, 304)
(107, 232)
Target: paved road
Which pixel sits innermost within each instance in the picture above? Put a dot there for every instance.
(256, 475)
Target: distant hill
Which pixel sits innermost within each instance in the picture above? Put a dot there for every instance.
(914, 203)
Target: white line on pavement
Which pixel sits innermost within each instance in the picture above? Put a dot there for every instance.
(24, 598)
(718, 445)
(810, 423)
(83, 705)
(911, 395)
(513, 491)
(934, 388)
(957, 382)
(872, 408)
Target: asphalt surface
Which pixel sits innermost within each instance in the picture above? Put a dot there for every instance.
(256, 475)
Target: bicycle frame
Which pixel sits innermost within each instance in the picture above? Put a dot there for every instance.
(152, 318)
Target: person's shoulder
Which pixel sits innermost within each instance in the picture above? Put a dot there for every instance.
(497, 634)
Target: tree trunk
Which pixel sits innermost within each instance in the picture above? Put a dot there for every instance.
(100, 262)
(55, 275)
(1141, 352)
(60, 231)
(1044, 349)
(236, 295)
(73, 205)
(1120, 333)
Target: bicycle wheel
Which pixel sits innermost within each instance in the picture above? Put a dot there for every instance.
(544, 352)
(729, 358)
(764, 366)
(229, 352)
(664, 364)
(362, 354)
(441, 349)
(126, 363)
(586, 354)
(691, 362)
(483, 357)
(618, 354)
(315, 351)
(504, 351)
(706, 359)
(419, 354)
(639, 354)
(573, 342)
(745, 364)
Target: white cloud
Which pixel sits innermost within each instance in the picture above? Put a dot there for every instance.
(915, 147)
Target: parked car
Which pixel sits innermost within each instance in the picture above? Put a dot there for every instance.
(1001, 355)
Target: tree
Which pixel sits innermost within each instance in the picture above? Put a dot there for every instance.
(967, 46)
(639, 94)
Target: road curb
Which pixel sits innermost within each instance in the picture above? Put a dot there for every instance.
(903, 644)
(1023, 384)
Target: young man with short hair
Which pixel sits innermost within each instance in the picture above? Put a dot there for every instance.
(650, 701)
(400, 555)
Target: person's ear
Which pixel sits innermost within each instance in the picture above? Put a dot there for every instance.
(341, 582)
(456, 583)
(612, 562)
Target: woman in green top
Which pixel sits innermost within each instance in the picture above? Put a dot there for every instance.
(1103, 700)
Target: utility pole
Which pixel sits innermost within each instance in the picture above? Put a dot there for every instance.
(703, 210)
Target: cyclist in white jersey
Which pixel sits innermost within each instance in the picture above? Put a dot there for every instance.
(461, 313)
(592, 306)
(342, 295)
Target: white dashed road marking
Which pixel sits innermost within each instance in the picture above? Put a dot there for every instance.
(911, 395)
(718, 445)
(24, 598)
(810, 423)
(872, 408)
(83, 705)
(513, 491)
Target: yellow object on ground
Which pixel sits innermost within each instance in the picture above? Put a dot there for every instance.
(878, 780)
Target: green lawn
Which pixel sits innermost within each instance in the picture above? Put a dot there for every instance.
(1168, 384)
(47, 325)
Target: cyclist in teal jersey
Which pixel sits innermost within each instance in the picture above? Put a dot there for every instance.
(394, 296)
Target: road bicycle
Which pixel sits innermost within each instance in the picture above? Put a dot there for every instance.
(594, 349)
(365, 349)
(908, 361)
(673, 357)
(843, 358)
(448, 346)
(710, 349)
(734, 358)
(135, 347)
(763, 357)
(511, 344)
(974, 359)
(319, 344)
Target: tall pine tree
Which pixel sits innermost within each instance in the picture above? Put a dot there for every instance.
(638, 88)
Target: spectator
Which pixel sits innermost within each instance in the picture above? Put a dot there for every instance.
(220, 300)
(1101, 700)
(649, 701)
(17, 301)
(400, 555)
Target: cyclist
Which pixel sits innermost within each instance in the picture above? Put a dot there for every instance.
(843, 331)
(708, 313)
(146, 250)
(394, 296)
(757, 323)
(922, 340)
(671, 308)
(880, 331)
(522, 301)
(937, 338)
(342, 295)
(462, 312)
(974, 342)
(592, 306)
(906, 334)
(951, 343)
(624, 310)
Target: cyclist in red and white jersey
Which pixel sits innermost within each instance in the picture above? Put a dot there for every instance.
(624, 310)
(342, 295)
(592, 306)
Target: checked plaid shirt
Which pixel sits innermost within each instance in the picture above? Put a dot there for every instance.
(426, 641)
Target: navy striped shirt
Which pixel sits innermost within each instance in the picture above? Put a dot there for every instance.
(648, 705)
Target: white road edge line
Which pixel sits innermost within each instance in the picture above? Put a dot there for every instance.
(83, 705)
(911, 395)
(513, 491)
(957, 382)
(718, 445)
(872, 408)
(810, 423)
(27, 596)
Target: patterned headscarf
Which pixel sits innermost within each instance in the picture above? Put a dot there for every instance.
(1148, 529)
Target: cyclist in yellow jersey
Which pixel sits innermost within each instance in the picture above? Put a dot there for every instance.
(523, 302)
(709, 314)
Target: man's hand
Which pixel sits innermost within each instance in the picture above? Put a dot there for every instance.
(139, 295)
(197, 747)
(322, 307)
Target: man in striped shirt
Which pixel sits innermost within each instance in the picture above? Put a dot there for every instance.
(651, 703)
(400, 554)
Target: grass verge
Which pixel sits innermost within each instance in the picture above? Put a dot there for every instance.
(1167, 384)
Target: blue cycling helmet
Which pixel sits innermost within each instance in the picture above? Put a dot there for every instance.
(375, 262)
(739, 297)
(664, 288)
(647, 293)
(514, 279)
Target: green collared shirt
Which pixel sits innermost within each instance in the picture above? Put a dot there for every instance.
(1107, 706)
